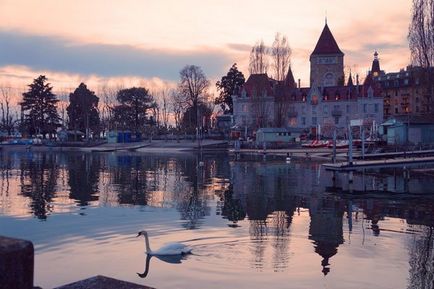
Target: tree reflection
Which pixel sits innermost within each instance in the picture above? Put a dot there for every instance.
(5, 174)
(38, 180)
(130, 179)
(83, 177)
(232, 208)
(191, 196)
(264, 192)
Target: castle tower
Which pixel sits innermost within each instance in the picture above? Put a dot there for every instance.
(326, 61)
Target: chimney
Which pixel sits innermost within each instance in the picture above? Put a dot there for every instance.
(299, 86)
(357, 85)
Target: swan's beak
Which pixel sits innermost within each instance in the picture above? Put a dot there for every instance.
(138, 234)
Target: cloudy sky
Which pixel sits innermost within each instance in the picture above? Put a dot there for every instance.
(147, 41)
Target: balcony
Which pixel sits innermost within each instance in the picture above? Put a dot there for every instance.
(336, 113)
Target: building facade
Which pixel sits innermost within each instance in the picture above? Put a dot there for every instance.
(405, 92)
(329, 102)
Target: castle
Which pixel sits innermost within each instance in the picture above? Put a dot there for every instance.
(328, 102)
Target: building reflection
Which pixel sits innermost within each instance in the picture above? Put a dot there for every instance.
(261, 196)
(326, 228)
(261, 191)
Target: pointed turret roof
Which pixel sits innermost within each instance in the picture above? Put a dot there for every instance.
(326, 43)
(350, 80)
(289, 80)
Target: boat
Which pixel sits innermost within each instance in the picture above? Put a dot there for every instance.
(340, 144)
(316, 144)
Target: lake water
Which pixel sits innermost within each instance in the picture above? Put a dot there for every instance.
(251, 223)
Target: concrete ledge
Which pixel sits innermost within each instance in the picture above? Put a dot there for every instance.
(102, 282)
(16, 263)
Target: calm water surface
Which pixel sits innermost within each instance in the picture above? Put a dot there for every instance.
(251, 223)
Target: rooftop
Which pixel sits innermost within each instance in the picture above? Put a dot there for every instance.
(326, 43)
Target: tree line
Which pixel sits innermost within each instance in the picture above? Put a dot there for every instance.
(186, 108)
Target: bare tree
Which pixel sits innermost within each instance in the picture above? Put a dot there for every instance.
(7, 121)
(193, 87)
(421, 33)
(281, 56)
(421, 42)
(281, 103)
(262, 107)
(63, 104)
(107, 104)
(177, 107)
(258, 58)
(164, 95)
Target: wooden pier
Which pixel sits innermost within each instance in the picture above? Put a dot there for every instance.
(368, 164)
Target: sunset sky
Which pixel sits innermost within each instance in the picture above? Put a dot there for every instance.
(147, 42)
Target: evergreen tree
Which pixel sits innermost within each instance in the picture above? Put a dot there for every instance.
(134, 103)
(227, 87)
(83, 111)
(39, 108)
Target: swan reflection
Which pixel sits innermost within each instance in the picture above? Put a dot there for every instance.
(171, 259)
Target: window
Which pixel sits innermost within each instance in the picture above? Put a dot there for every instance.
(365, 108)
(303, 120)
(376, 107)
(326, 109)
(348, 108)
(314, 121)
(303, 109)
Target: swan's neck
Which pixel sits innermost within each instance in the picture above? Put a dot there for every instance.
(148, 249)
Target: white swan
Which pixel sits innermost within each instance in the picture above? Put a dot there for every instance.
(167, 249)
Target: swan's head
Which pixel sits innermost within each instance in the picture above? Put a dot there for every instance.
(142, 233)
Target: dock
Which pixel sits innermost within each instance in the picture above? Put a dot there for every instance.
(414, 153)
(368, 164)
